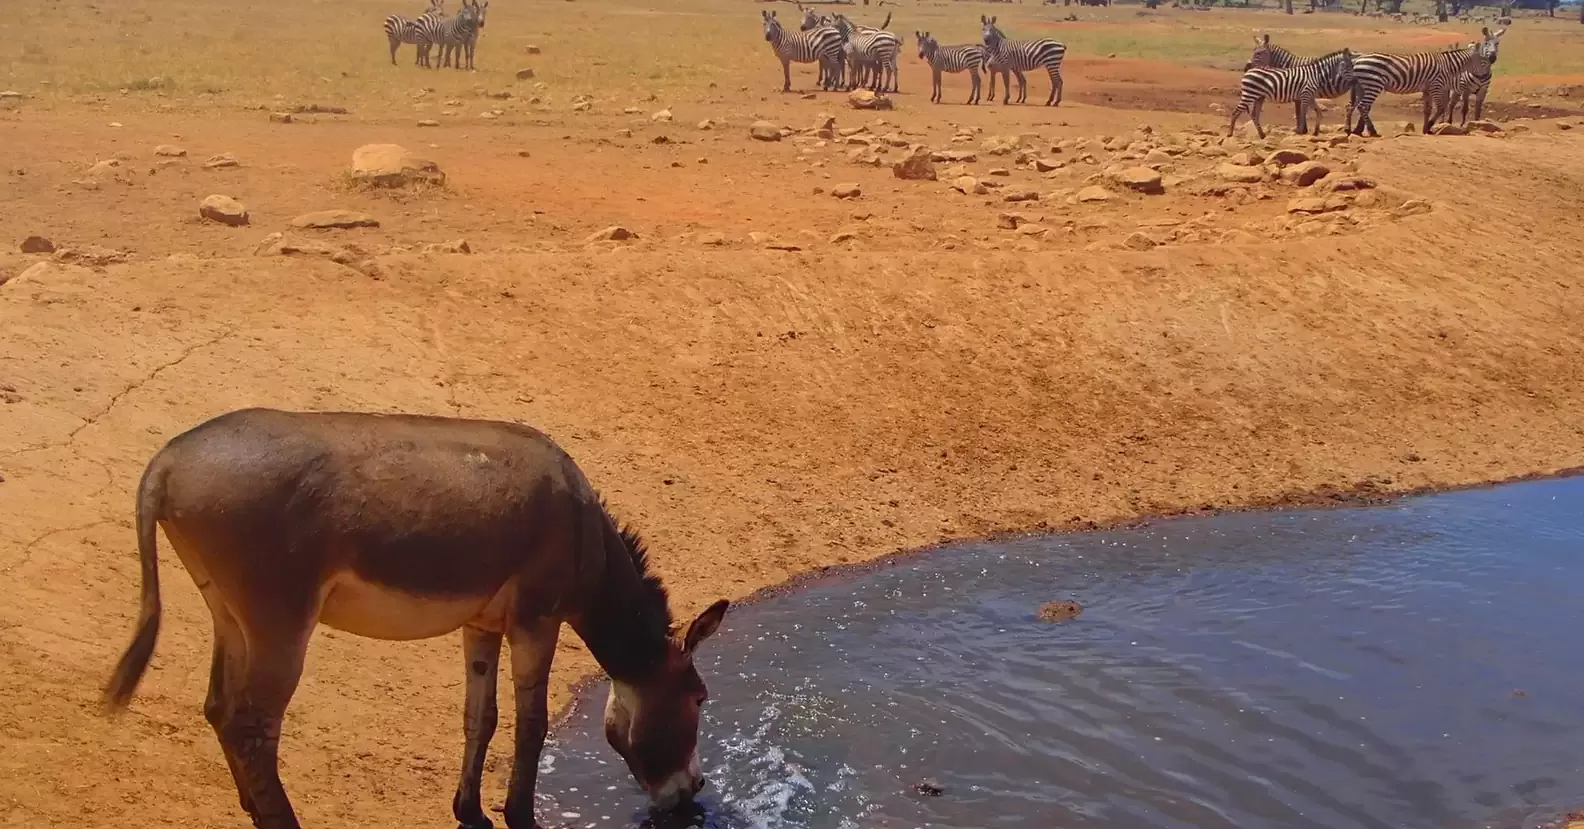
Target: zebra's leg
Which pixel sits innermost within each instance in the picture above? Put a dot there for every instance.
(786, 75)
(1237, 112)
(1429, 120)
(1479, 103)
(1006, 86)
(395, 43)
(1254, 115)
(992, 74)
(1056, 80)
(1022, 86)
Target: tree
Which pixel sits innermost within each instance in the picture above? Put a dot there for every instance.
(1441, 10)
(1289, 6)
(1581, 12)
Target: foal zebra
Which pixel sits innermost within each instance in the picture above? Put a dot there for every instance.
(1019, 56)
(1474, 82)
(1432, 74)
(1269, 56)
(822, 45)
(399, 30)
(970, 57)
(869, 50)
(1303, 84)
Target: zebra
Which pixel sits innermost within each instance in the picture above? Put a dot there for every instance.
(869, 49)
(822, 45)
(1432, 74)
(451, 33)
(1476, 83)
(399, 30)
(969, 57)
(1019, 56)
(1324, 77)
(811, 21)
(448, 51)
(1269, 56)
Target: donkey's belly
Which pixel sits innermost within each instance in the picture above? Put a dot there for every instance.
(382, 612)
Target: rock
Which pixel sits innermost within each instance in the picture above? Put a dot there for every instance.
(1413, 207)
(31, 273)
(1046, 166)
(867, 99)
(37, 244)
(1449, 129)
(1138, 240)
(11, 95)
(1312, 205)
(1287, 156)
(614, 233)
(928, 788)
(712, 239)
(222, 161)
(531, 49)
(1000, 145)
(1237, 172)
(582, 106)
(104, 168)
(1000, 171)
(706, 124)
(1246, 158)
(970, 186)
(1021, 195)
(267, 244)
(1058, 611)
(1033, 230)
(1010, 221)
(662, 115)
(846, 191)
(1157, 156)
(1407, 128)
(916, 166)
(391, 165)
(428, 122)
(90, 255)
(281, 117)
(1347, 183)
(1140, 180)
(334, 219)
(170, 151)
(525, 74)
(453, 246)
(223, 209)
(1094, 193)
(765, 131)
(1305, 173)
(843, 236)
(274, 245)
(953, 156)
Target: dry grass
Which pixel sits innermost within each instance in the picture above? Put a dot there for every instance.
(266, 53)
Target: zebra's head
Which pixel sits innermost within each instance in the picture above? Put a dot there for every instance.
(843, 25)
(926, 44)
(1489, 44)
(992, 35)
(772, 26)
(1338, 66)
(436, 9)
(1264, 57)
(811, 20)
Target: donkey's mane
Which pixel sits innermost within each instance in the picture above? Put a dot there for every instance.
(654, 590)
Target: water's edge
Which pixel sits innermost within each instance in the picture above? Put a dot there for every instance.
(1358, 494)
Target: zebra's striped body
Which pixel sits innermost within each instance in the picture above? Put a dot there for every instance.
(1019, 56)
(871, 55)
(1431, 74)
(1269, 56)
(1303, 84)
(822, 45)
(451, 34)
(399, 30)
(469, 45)
(968, 57)
(1472, 82)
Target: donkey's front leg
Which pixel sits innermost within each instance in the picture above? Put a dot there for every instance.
(533, 644)
(481, 652)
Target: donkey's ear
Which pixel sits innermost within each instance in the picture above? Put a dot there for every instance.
(704, 626)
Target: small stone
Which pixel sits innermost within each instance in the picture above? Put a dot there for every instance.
(170, 151)
(968, 185)
(1239, 173)
(764, 131)
(324, 219)
(1034, 230)
(223, 209)
(867, 99)
(1287, 156)
(453, 246)
(614, 233)
(1305, 173)
(662, 115)
(916, 166)
(1058, 611)
(1407, 128)
(1449, 129)
(1094, 193)
(1138, 241)
(1000, 145)
(1046, 166)
(712, 239)
(843, 236)
(222, 161)
(37, 244)
(846, 191)
(280, 117)
(928, 788)
(525, 74)
(1021, 195)
(1157, 156)
(1413, 207)
(531, 49)
(428, 122)
(1010, 221)
(582, 106)
(1140, 180)
(706, 124)
(1000, 171)
(1311, 205)
(1349, 183)
(953, 156)
(11, 95)
(391, 165)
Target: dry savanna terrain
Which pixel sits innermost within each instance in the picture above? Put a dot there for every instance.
(788, 356)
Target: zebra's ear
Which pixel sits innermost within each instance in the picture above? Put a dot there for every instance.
(1267, 38)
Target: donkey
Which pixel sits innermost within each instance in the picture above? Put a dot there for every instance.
(406, 527)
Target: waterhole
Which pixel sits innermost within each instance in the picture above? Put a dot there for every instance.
(1413, 665)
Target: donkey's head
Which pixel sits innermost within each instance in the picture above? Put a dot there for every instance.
(653, 721)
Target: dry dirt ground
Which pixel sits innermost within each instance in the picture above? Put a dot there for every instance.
(758, 411)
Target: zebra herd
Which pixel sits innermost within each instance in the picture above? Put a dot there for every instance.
(456, 36)
(1443, 79)
(850, 55)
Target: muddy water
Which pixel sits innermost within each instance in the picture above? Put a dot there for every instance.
(1414, 665)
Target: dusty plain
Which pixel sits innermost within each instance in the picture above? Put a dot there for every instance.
(768, 379)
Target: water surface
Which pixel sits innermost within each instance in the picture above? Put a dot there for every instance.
(1396, 667)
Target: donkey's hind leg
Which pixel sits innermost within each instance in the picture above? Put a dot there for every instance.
(481, 651)
(225, 674)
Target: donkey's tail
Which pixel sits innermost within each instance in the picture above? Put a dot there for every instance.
(128, 671)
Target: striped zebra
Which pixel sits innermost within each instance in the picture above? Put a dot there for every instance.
(968, 57)
(1472, 82)
(399, 30)
(1303, 84)
(822, 45)
(1019, 56)
(871, 55)
(811, 21)
(470, 43)
(1432, 74)
(1269, 56)
(451, 33)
